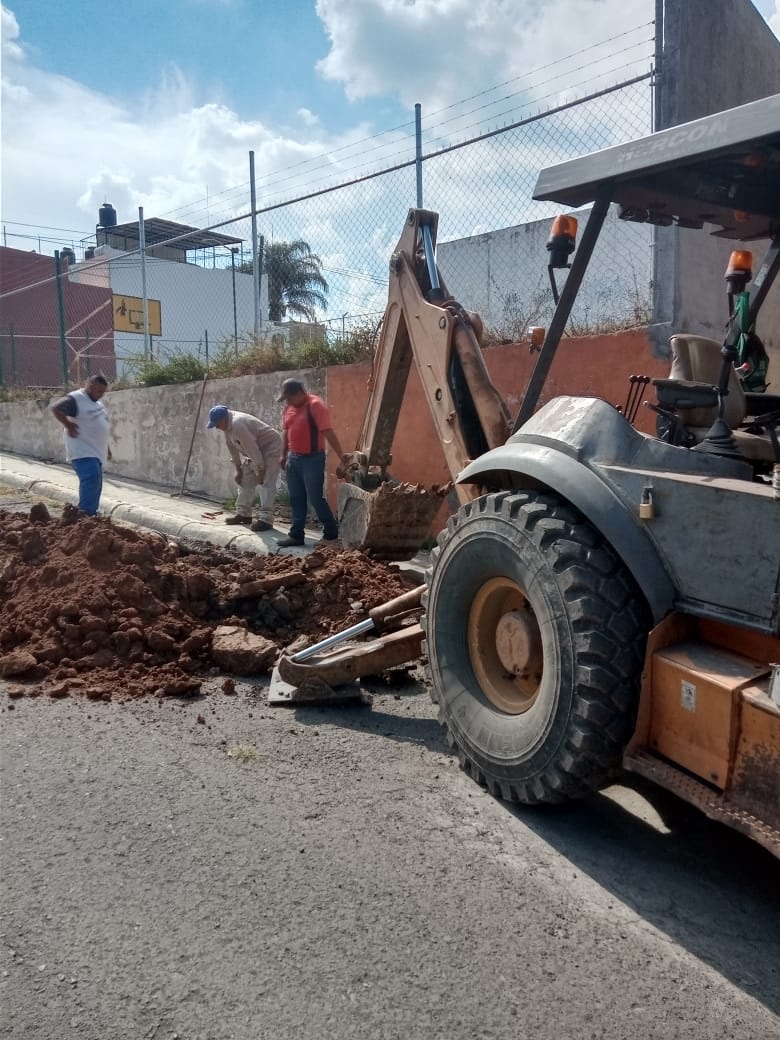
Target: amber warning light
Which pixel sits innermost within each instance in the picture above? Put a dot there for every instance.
(562, 241)
(560, 246)
(739, 270)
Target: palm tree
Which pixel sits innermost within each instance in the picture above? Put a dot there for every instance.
(296, 284)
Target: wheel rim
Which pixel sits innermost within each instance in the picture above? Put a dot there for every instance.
(505, 646)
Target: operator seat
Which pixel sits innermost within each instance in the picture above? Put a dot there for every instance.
(696, 365)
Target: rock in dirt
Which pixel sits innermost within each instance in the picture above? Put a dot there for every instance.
(17, 663)
(238, 651)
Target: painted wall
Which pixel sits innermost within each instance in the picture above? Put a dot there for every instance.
(193, 301)
(598, 366)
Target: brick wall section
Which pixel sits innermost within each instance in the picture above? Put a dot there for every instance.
(34, 315)
(597, 366)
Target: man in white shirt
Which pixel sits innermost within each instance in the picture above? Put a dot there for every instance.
(255, 449)
(87, 425)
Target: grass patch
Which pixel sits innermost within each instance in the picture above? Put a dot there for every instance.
(243, 753)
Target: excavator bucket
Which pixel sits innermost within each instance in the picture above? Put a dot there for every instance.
(391, 523)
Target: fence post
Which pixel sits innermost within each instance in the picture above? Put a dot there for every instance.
(14, 379)
(233, 251)
(61, 318)
(418, 152)
(197, 418)
(255, 273)
(144, 294)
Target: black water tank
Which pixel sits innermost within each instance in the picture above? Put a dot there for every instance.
(67, 254)
(107, 215)
(89, 253)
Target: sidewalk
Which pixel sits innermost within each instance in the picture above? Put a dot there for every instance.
(157, 509)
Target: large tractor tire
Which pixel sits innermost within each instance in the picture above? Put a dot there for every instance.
(535, 636)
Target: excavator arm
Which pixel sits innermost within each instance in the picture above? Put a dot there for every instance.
(424, 324)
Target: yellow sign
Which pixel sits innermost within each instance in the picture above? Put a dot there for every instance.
(129, 315)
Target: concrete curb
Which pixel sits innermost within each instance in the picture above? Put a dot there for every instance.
(177, 527)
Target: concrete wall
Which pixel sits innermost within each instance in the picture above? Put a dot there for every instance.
(152, 428)
(717, 54)
(503, 276)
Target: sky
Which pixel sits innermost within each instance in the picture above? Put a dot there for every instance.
(157, 103)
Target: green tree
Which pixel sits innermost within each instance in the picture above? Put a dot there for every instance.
(296, 285)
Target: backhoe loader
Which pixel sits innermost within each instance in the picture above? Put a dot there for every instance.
(421, 322)
(604, 599)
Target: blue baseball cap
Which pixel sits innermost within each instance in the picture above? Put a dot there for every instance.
(217, 413)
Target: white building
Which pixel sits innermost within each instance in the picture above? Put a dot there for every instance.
(201, 308)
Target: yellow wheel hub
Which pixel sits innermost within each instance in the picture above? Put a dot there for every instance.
(505, 645)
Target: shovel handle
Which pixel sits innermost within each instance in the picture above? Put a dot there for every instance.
(406, 601)
(376, 617)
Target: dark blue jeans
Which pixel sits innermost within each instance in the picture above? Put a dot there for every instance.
(305, 483)
(90, 474)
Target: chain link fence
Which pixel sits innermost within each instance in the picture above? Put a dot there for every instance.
(206, 311)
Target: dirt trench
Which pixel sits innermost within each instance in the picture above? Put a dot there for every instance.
(92, 608)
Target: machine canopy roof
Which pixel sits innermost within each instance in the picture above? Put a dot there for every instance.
(723, 169)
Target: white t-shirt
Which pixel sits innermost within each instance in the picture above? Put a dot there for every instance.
(93, 422)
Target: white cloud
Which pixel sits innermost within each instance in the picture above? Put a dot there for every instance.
(445, 50)
(770, 9)
(9, 35)
(67, 149)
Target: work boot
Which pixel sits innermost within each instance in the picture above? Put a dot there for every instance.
(238, 519)
(288, 542)
(261, 525)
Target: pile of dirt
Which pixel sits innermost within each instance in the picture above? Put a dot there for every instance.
(110, 612)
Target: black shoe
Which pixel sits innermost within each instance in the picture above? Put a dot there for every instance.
(238, 519)
(286, 543)
(261, 525)
(329, 538)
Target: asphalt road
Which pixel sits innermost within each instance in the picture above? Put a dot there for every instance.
(331, 873)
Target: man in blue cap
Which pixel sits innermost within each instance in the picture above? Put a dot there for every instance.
(255, 449)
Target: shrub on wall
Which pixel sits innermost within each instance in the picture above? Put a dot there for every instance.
(184, 369)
